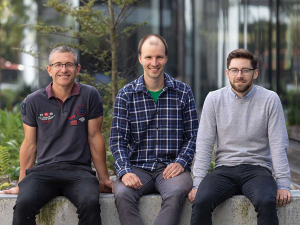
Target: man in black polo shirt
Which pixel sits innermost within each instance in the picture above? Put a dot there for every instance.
(62, 125)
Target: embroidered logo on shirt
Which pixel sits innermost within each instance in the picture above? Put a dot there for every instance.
(46, 117)
(23, 108)
(80, 110)
(73, 122)
(82, 119)
(71, 117)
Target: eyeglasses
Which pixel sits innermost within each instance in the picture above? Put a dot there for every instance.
(59, 66)
(235, 71)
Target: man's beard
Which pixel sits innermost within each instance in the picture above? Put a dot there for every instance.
(240, 89)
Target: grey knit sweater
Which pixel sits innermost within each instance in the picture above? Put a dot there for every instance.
(246, 131)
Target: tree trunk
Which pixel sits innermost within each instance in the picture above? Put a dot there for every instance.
(114, 63)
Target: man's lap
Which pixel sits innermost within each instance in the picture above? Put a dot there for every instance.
(153, 182)
(225, 181)
(41, 185)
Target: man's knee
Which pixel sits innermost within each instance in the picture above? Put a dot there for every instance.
(265, 202)
(89, 201)
(25, 203)
(202, 201)
(123, 193)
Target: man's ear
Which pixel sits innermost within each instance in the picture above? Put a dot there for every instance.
(227, 73)
(255, 74)
(49, 70)
(140, 58)
(77, 69)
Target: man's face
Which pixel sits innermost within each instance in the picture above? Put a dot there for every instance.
(153, 58)
(63, 76)
(241, 84)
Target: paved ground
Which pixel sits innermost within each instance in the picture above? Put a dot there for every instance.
(294, 161)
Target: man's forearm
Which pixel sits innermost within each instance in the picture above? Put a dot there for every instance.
(98, 152)
(27, 158)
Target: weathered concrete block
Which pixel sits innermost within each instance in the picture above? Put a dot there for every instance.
(235, 211)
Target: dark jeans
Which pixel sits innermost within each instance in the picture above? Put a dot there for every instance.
(44, 183)
(173, 192)
(255, 182)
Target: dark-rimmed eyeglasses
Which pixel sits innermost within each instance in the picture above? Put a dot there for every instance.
(68, 65)
(235, 71)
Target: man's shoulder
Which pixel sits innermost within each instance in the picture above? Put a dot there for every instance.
(133, 86)
(263, 92)
(177, 84)
(217, 94)
(41, 93)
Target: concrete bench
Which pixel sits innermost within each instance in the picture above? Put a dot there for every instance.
(235, 211)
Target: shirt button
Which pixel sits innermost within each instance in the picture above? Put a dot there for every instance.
(157, 143)
(156, 128)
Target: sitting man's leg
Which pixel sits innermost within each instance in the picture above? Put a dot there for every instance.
(82, 189)
(173, 192)
(261, 188)
(36, 189)
(215, 188)
(126, 198)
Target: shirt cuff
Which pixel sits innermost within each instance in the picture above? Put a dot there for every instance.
(123, 172)
(285, 188)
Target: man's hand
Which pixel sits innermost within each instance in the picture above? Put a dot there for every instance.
(131, 180)
(172, 170)
(106, 186)
(283, 197)
(192, 194)
(14, 190)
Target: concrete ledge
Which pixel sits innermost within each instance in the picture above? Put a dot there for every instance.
(237, 210)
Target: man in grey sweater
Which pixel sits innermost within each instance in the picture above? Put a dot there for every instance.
(248, 125)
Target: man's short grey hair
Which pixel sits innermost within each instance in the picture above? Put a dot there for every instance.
(64, 49)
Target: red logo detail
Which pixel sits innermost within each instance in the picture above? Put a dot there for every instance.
(73, 122)
(47, 121)
(80, 110)
(46, 114)
(71, 117)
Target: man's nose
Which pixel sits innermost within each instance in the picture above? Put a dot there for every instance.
(239, 74)
(64, 68)
(154, 62)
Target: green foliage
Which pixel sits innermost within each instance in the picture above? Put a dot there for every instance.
(11, 137)
(293, 108)
(12, 15)
(212, 166)
(12, 98)
(5, 184)
(3, 160)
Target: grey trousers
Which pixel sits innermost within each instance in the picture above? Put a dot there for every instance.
(173, 192)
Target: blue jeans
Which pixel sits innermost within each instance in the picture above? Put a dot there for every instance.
(44, 183)
(255, 182)
(173, 192)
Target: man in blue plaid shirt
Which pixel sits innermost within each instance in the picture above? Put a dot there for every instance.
(153, 137)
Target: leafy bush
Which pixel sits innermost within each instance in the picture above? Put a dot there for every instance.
(11, 137)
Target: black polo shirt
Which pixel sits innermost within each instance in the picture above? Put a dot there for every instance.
(62, 127)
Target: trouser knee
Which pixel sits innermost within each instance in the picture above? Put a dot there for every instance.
(265, 204)
(176, 197)
(89, 203)
(202, 201)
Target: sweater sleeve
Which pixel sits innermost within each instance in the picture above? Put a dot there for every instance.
(205, 141)
(278, 140)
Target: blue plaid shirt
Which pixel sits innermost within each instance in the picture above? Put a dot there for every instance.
(144, 133)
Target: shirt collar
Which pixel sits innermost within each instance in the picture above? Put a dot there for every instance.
(75, 90)
(168, 83)
(246, 96)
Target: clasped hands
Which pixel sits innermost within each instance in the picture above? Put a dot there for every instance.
(132, 180)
